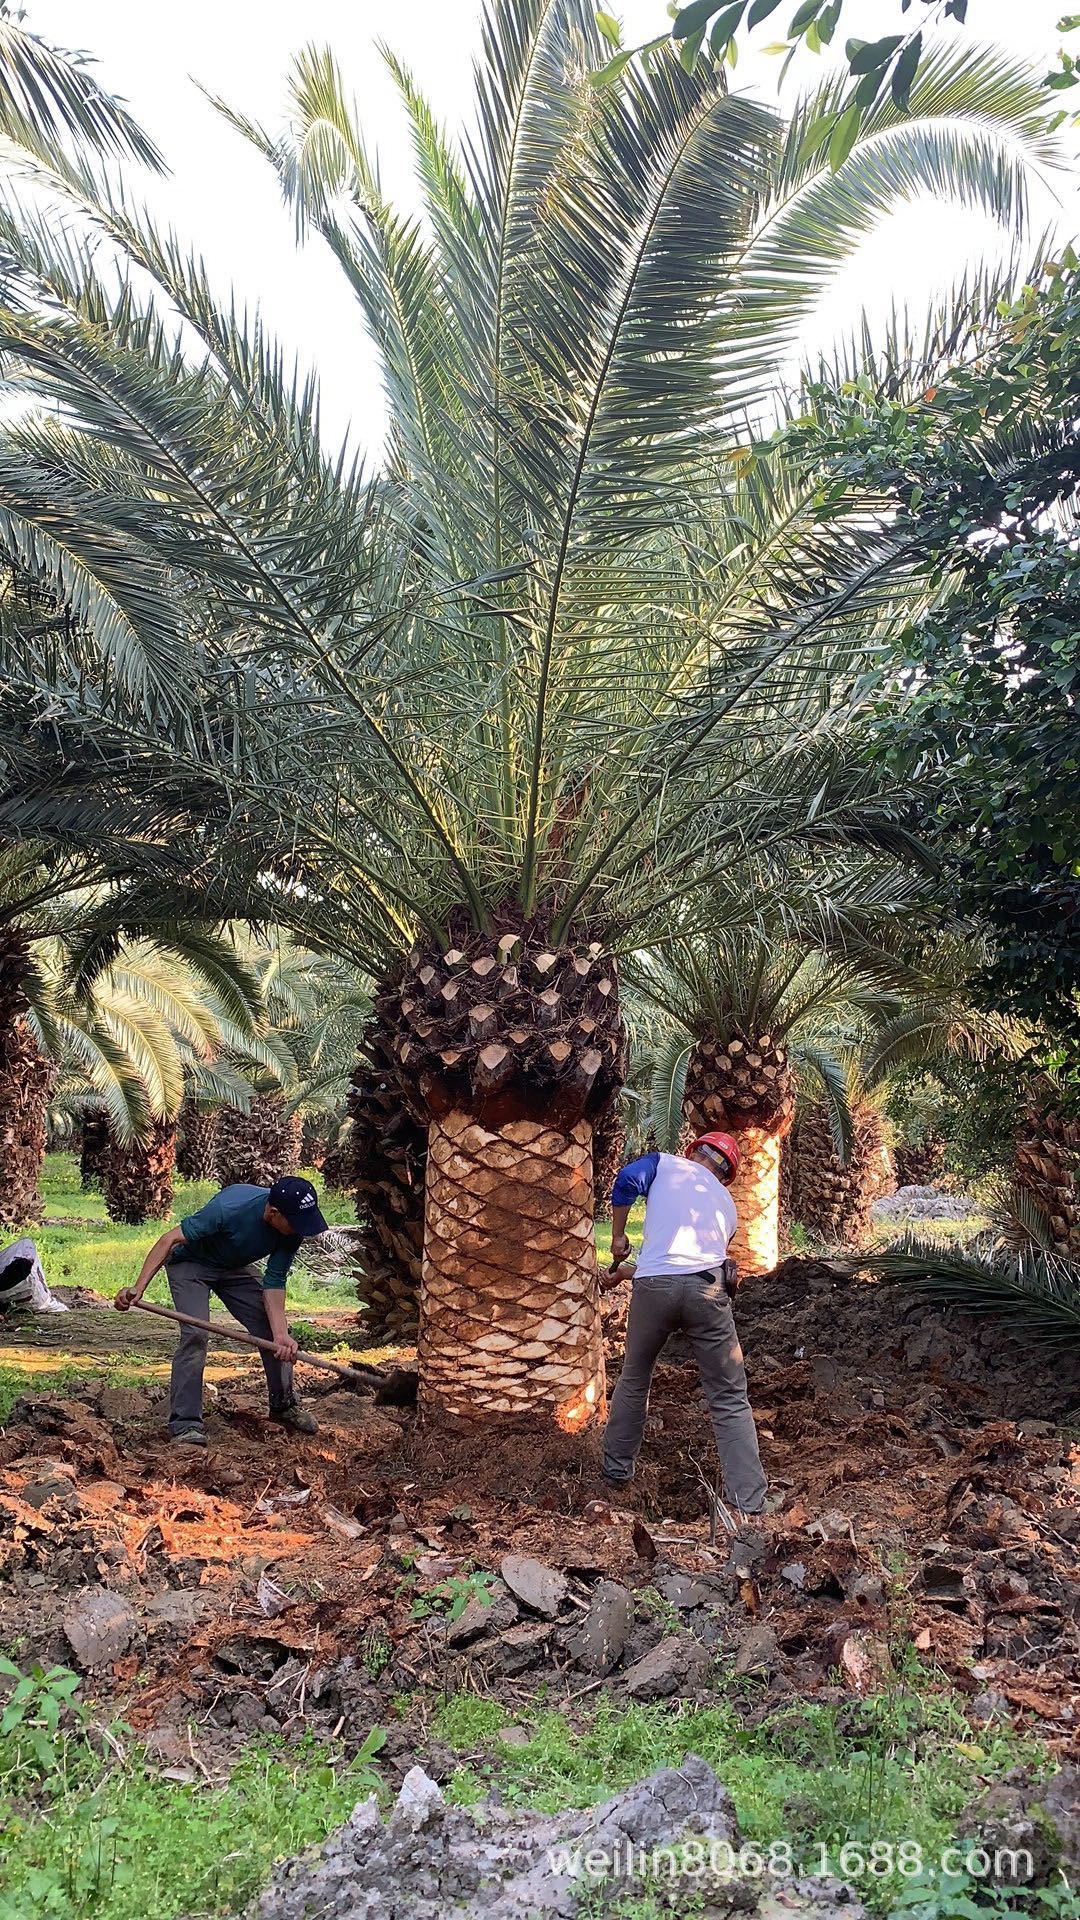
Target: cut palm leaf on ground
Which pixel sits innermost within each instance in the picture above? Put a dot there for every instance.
(1033, 1290)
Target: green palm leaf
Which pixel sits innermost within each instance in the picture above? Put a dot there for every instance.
(1033, 1292)
(52, 95)
(667, 1090)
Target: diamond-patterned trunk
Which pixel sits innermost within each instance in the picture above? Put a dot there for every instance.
(507, 1048)
(1048, 1168)
(384, 1168)
(138, 1180)
(742, 1085)
(919, 1165)
(257, 1147)
(26, 1081)
(511, 1317)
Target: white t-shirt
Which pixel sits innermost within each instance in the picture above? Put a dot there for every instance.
(689, 1218)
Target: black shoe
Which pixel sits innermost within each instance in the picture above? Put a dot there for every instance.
(189, 1437)
(296, 1418)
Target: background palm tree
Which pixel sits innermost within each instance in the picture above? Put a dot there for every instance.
(834, 1181)
(771, 998)
(541, 698)
(121, 1039)
(315, 1010)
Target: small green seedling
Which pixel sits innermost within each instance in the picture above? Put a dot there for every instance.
(34, 1707)
(452, 1595)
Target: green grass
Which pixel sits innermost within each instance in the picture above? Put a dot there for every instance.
(128, 1842)
(900, 1766)
(95, 1252)
(113, 1838)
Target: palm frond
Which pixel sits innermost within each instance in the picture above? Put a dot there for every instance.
(54, 95)
(1033, 1292)
(667, 1089)
(834, 1088)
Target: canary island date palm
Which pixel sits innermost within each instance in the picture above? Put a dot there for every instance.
(35, 888)
(774, 1000)
(315, 1009)
(98, 1028)
(147, 1026)
(834, 1184)
(485, 717)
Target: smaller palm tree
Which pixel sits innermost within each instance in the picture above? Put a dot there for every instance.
(764, 1008)
(148, 1024)
(314, 1011)
(836, 1174)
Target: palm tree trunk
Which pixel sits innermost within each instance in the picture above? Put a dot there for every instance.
(609, 1152)
(384, 1167)
(921, 1164)
(196, 1141)
(742, 1084)
(831, 1200)
(94, 1149)
(139, 1177)
(26, 1081)
(756, 1193)
(257, 1147)
(1048, 1170)
(506, 1047)
(511, 1320)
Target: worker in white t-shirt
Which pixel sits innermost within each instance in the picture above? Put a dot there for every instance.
(681, 1283)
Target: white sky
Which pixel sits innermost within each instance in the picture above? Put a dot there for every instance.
(223, 198)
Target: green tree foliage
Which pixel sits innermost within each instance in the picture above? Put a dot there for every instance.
(981, 474)
(537, 672)
(874, 70)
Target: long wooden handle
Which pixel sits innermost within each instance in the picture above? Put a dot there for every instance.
(252, 1340)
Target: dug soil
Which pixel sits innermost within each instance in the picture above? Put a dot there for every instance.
(927, 1489)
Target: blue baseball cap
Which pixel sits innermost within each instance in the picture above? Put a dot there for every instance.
(299, 1202)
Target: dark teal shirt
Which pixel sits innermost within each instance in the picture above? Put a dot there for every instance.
(230, 1232)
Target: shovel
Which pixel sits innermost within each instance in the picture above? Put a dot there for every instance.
(362, 1381)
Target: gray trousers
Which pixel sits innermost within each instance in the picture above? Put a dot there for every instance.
(698, 1305)
(191, 1283)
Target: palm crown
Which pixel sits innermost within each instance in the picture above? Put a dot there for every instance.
(498, 707)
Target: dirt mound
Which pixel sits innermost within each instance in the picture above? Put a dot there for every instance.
(923, 1505)
(864, 1336)
(507, 1459)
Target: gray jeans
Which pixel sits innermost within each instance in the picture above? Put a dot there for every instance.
(191, 1283)
(698, 1305)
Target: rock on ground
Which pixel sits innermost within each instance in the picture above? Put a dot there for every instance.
(431, 1861)
(597, 1642)
(924, 1203)
(99, 1627)
(540, 1588)
(1038, 1817)
(677, 1665)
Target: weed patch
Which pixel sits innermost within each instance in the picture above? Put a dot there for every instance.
(899, 1767)
(135, 1843)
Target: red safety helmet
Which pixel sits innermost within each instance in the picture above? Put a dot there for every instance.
(721, 1143)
